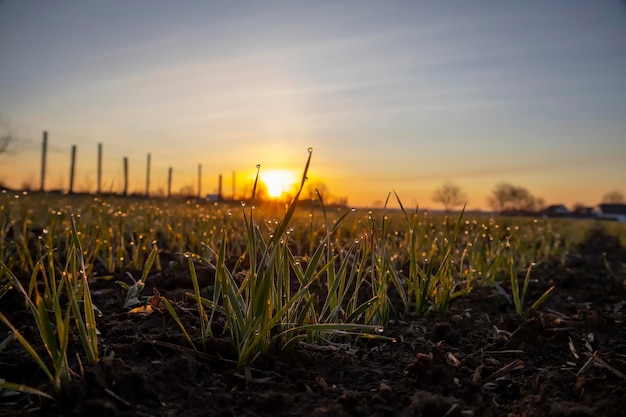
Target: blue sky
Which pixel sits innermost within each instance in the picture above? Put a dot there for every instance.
(391, 95)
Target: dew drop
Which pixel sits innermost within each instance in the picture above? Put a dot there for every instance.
(310, 149)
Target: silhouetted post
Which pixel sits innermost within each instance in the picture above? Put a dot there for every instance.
(125, 193)
(169, 182)
(199, 180)
(148, 177)
(99, 168)
(219, 189)
(72, 165)
(44, 151)
(233, 185)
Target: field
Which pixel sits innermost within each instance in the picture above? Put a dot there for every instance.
(165, 307)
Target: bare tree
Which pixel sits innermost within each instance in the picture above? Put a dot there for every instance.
(613, 197)
(187, 190)
(449, 195)
(510, 198)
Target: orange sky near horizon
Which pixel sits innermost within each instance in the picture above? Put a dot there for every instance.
(391, 96)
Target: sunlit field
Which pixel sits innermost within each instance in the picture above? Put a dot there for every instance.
(279, 274)
(283, 273)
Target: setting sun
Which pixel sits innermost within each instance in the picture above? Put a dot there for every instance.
(277, 181)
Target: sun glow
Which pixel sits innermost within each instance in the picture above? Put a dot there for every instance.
(277, 182)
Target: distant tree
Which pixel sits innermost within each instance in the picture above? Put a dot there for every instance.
(321, 189)
(315, 189)
(187, 190)
(579, 207)
(449, 195)
(540, 204)
(510, 198)
(260, 195)
(613, 197)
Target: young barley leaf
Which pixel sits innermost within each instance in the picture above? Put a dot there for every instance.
(29, 348)
(23, 388)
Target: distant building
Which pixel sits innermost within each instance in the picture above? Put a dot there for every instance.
(612, 212)
(586, 212)
(556, 210)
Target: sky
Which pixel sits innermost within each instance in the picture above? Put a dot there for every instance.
(397, 96)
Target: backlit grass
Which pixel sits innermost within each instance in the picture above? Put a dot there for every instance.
(283, 274)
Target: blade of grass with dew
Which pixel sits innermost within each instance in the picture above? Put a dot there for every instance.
(170, 309)
(57, 351)
(515, 295)
(86, 327)
(260, 317)
(232, 299)
(205, 325)
(149, 262)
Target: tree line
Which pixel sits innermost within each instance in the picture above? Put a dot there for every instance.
(506, 198)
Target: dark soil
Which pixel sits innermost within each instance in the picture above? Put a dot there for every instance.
(568, 359)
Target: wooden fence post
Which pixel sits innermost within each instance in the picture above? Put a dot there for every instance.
(199, 180)
(125, 193)
(99, 190)
(169, 182)
(72, 170)
(219, 188)
(44, 151)
(148, 177)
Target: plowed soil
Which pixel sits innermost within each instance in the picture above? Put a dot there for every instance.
(481, 359)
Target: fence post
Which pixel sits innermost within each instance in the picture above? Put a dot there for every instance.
(125, 193)
(199, 180)
(219, 188)
(44, 151)
(169, 182)
(72, 166)
(99, 168)
(233, 185)
(148, 177)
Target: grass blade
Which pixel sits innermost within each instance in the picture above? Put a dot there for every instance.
(23, 388)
